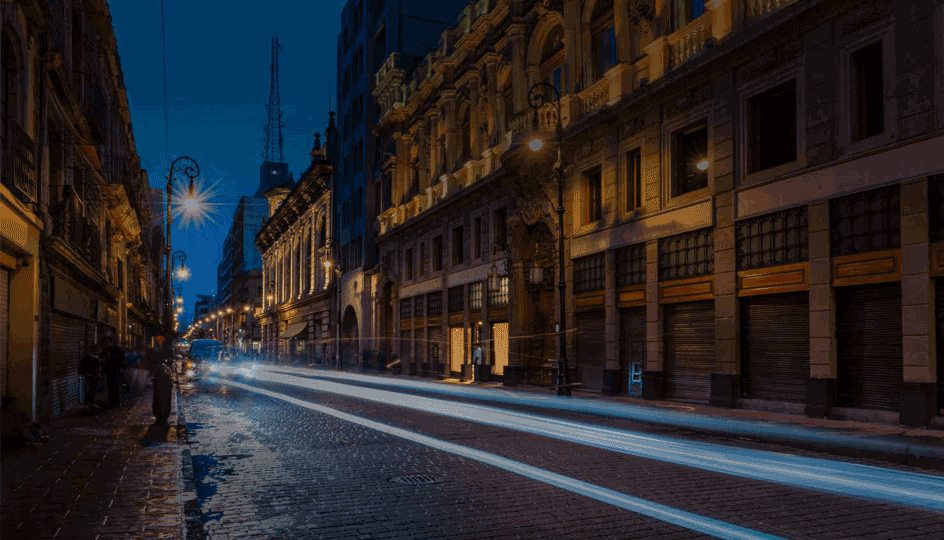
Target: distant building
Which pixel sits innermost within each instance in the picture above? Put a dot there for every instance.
(239, 273)
(371, 32)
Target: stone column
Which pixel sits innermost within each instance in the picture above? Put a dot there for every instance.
(821, 388)
(519, 75)
(725, 379)
(518, 311)
(611, 366)
(917, 308)
(653, 383)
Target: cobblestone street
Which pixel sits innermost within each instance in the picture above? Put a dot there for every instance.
(281, 460)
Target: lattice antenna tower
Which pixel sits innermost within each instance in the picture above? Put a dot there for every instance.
(273, 130)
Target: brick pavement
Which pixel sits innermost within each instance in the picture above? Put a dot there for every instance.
(782, 510)
(108, 475)
(266, 469)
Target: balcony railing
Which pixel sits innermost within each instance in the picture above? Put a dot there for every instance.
(690, 40)
(19, 161)
(78, 231)
(760, 8)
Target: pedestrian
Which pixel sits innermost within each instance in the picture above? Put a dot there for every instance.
(477, 357)
(161, 371)
(89, 369)
(130, 371)
(113, 363)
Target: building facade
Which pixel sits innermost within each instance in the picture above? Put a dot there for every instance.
(239, 273)
(370, 31)
(79, 264)
(297, 320)
(752, 211)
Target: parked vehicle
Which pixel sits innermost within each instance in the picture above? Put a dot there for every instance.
(204, 350)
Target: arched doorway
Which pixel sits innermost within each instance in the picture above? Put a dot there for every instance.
(349, 338)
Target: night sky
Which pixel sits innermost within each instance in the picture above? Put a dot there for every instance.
(218, 81)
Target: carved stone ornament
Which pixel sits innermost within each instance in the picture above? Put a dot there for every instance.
(641, 11)
(689, 99)
(633, 126)
(588, 149)
(866, 17)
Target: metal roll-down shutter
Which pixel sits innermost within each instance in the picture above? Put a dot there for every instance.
(775, 347)
(689, 350)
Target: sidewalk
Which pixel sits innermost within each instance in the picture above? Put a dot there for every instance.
(917, 446)
(108, 475)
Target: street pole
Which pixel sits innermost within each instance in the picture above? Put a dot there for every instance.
(189, 167)
(337, 287)
(537, 99)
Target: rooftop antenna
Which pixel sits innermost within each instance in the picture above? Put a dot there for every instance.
(273, 150)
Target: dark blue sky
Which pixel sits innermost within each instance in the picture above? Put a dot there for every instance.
(218, 81)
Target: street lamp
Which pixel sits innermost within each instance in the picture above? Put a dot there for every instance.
(329, 265)
(248, 310)
(190, 169)
(537, 97)
(232, 327)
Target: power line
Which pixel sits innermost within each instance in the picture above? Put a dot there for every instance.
(164, 49)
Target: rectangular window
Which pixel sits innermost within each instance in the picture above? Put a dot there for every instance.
(773, 127)
(477, 238)
(475, 295)
(406, 309)
(593, 195)
(633, 179)
(689, 160)
(458, 246)
(604, 50)
(408, 264)
(936, 208)
(686, 255)
(771, 240)
(437, 253)
(589, 273)
(498, 292)
(499, 221)
(631, 265)
(456, 299)
(434, 303)
(423, 259)
(419, 306)
(868, 92)
(868, 221)
(687, 11)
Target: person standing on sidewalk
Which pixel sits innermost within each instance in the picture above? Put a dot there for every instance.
(160, 359)
(89, 370)
(113, 363)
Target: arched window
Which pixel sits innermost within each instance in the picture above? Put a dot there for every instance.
(323, 232)
(603, 36)
(552, 59)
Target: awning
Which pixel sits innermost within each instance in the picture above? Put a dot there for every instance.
(293, 330)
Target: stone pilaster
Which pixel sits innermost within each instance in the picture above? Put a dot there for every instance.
(653, 382)
(917, 308)
(725, 380)
(821, 388)
(611, 366)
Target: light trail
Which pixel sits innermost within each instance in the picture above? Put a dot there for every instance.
(841, 478)
(728, 426)
(661, 512)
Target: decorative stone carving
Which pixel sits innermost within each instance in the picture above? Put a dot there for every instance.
(641, 11)
(588, 149)
(689, 99)
(633, 126)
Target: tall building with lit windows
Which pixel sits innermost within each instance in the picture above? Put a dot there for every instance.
(753, 210)
(371, 31)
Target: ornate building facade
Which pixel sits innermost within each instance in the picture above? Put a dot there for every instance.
(81, 260)
(753, 203)
(297, 317)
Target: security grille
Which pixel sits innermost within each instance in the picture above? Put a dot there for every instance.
(588, 273)
(434, 303)
(406, 308)
(456, 299)
(773, 239)
(686, 255)
(936, 207)
(868, 221)
(631, 265)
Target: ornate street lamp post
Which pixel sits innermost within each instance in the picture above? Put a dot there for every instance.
(537, 97)
(331, 267)
(187, 166)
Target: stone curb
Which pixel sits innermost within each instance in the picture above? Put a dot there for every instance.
(192, 526)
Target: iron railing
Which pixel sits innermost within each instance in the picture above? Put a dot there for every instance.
(19, 161)
(867, 221)
(589, 273)
(631, 265)
(686, 255)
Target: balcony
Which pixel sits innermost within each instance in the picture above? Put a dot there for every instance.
(19, 162)
(78, 231)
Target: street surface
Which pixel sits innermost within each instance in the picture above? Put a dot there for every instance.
(295, 452)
